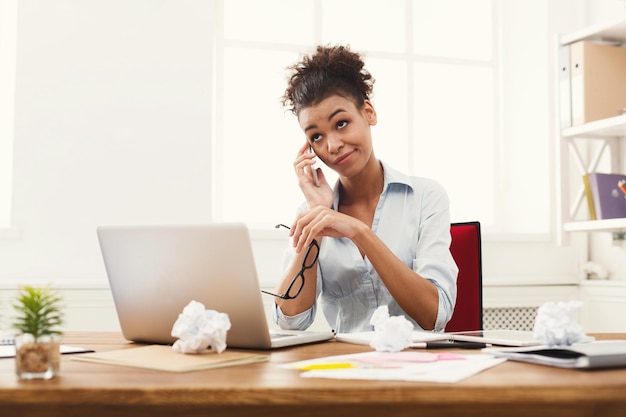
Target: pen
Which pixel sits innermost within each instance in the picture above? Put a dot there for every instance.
(326, 366)
(448, 345)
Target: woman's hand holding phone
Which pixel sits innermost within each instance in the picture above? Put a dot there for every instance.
(311, 179)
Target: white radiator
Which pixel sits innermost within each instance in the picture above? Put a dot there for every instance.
(512, 318)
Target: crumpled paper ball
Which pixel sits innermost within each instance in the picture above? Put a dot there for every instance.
(391, 334)
(198, 328)
(555, 325)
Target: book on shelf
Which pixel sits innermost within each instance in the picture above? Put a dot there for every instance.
(605, 198)
(589, 197)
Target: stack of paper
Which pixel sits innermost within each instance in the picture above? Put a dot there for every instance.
(601, 354)
(8, 351)
(400, 366)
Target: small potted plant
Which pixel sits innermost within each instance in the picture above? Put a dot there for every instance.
(38, 343)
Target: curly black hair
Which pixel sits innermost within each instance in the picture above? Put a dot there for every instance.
(331, 70)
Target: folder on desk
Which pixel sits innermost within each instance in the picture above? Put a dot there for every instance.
(598, 81)
(164, 358)
(594, 355)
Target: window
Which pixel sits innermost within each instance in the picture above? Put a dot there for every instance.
(451, 83)
(8, 32)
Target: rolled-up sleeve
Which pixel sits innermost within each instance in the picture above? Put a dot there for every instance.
(433, 259)
(301, 321)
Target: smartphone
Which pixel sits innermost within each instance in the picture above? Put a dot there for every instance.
(314, 171)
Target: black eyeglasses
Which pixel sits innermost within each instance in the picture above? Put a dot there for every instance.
(297, 283)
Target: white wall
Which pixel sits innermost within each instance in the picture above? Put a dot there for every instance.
(601, 11)
(112, 125)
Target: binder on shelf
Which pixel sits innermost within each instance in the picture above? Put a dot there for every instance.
(608, 200)
(598, 81)
(565, 87)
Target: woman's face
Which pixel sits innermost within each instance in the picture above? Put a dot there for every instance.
(340, 133)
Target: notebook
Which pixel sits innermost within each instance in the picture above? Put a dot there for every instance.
(594, 355)
(155, 271)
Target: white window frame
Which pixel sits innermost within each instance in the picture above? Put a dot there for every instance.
(8, 44)
(498, 231)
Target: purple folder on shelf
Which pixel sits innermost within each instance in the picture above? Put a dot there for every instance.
(608, 199)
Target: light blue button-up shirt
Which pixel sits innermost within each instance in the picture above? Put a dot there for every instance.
(413, 219)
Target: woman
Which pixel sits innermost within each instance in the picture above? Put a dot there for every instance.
(379, 237)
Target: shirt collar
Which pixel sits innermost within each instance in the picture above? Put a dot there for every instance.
(394, 176)
(390, 176)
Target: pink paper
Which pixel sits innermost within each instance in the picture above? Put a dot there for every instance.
(399, 358)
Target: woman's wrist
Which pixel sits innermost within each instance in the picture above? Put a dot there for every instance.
(316, 203)
(363, 234)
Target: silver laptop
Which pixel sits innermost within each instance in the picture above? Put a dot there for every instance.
(155, 271)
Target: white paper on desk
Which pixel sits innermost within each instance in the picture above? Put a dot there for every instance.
(434, 367)
(8, 351)
(365, 338)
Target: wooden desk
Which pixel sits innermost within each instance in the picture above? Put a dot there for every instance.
(509, 389)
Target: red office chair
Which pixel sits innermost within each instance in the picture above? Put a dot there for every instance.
(466, 251)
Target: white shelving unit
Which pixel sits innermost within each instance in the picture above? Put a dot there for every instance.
(609, 32)
(586, 145)
(609, 135)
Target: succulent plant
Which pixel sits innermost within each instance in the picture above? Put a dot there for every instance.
(39, 311)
